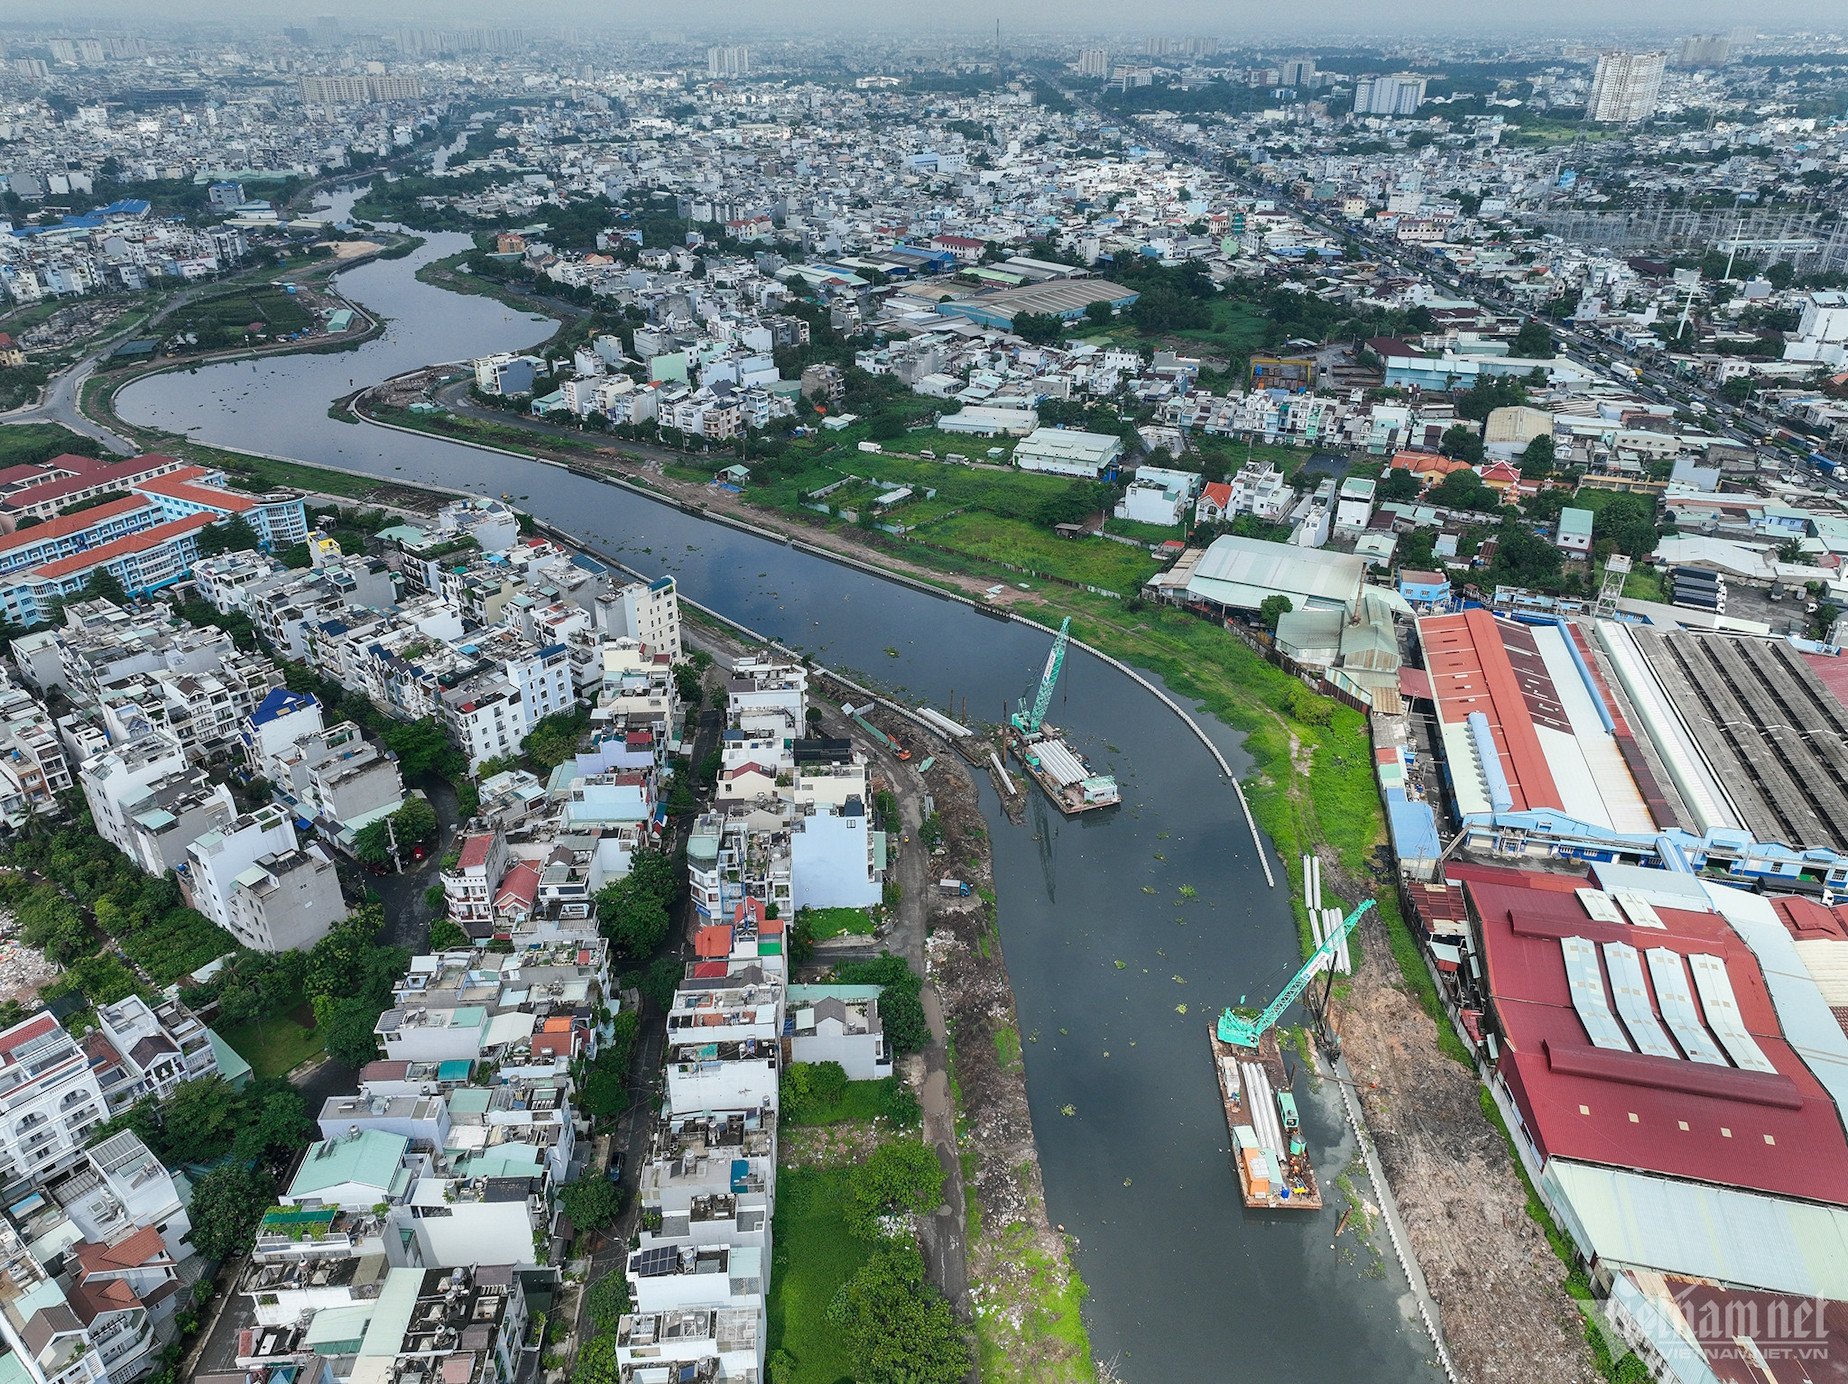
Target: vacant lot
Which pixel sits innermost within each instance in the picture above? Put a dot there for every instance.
(275, 1045)
(815, 1255)
(1089, 561)
(222, 319)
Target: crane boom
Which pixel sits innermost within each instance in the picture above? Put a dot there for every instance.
(1245, 1033)
(1029, 723)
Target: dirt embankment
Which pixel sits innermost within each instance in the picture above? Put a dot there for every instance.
(1019, 1270)
(1495, 1280)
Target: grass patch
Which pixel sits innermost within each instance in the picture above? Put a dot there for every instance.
(26, 444)
(1007, 1045)
(275, 1045)
(815, 1256)
(1144, 533)
(1091, 561)
(861, 1102)
(839, 922)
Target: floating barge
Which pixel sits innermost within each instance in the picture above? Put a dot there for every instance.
(1274, 1171)
(1061, 772)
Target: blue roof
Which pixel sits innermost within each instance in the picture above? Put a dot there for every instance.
(280, 702)
(89, 220)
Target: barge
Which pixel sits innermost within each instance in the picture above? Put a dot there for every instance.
(1061, 771)
(1268, 1149)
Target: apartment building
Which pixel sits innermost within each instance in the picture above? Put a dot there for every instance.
(255, 880)
(34, 765)
(647, 612)
(50, 1101)
(148, 803)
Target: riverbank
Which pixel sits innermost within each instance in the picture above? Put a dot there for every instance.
(1311, 789)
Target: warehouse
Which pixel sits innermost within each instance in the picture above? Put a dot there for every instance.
(1525, 724)
(1239, 574)
(1750, 736)
(1670, 1069)
(1062, 298)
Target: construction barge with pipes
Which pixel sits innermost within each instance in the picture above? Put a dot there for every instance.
(1274, 1170)
(1055, 766)
(1268, 1149)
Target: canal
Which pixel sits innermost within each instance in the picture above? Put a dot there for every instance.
(1126, 932)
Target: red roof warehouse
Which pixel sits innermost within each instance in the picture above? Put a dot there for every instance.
(1644, 1037)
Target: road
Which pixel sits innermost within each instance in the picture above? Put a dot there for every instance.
(635, 1127)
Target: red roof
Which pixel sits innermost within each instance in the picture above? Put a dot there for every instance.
(181, 485)
(65, 524)
(35, 1027)
(1219, 493)
(711, 970)
(712, 941)
(1776, 1132)
(1470, 670)
(96, 473)
(518, 885)
(127, 545)
(130, 1252)
(474, 852)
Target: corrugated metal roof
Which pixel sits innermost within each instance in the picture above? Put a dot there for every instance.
(1703, 1231)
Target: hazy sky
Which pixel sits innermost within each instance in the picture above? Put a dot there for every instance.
(1264, 21)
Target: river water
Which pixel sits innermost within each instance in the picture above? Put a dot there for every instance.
(1117, 971)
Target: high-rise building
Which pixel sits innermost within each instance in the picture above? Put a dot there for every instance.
(357, 90)
(1094, 62)
(728, 60)
(1704, 50)
(1396, 95)
(1296, 72)
(1625, 87)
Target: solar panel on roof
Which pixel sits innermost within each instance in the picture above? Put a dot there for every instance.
(1723, 1017)
(1586, 979)
(1626, 972)
(652, 1263)
(1677, 1002)
(1599, 905)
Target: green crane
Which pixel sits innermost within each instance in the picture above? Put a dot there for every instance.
(1245, 1033)
(1029, 722)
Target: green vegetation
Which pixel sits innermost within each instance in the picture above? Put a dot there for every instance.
(275, 1045)
(26, 444)
(899, 1006)
(1085, 561)
(68, 871)
(222, 320)
(823, 923)
(812, 1096)
(634, 911)
(815, 1256)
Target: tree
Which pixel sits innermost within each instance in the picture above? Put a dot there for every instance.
(900, 1176)
(421, 746)
(902, 1329)
(447, 936)
(104, 585)
(1538, 458)
(555, 738)
(227, 1203)
(591, 1202)
(1534, 341)
(635, 920)
(1272, 609)
(1399, 485)
(607, 1301)
(1098, 314)
(200, 1121)
(1463, 490)
(233, 535)
(1039, 328)
(900, 1008)
(276, 1123)
(349, 1033)
(1627, 522)
(596, 1362)
(1461, 441)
